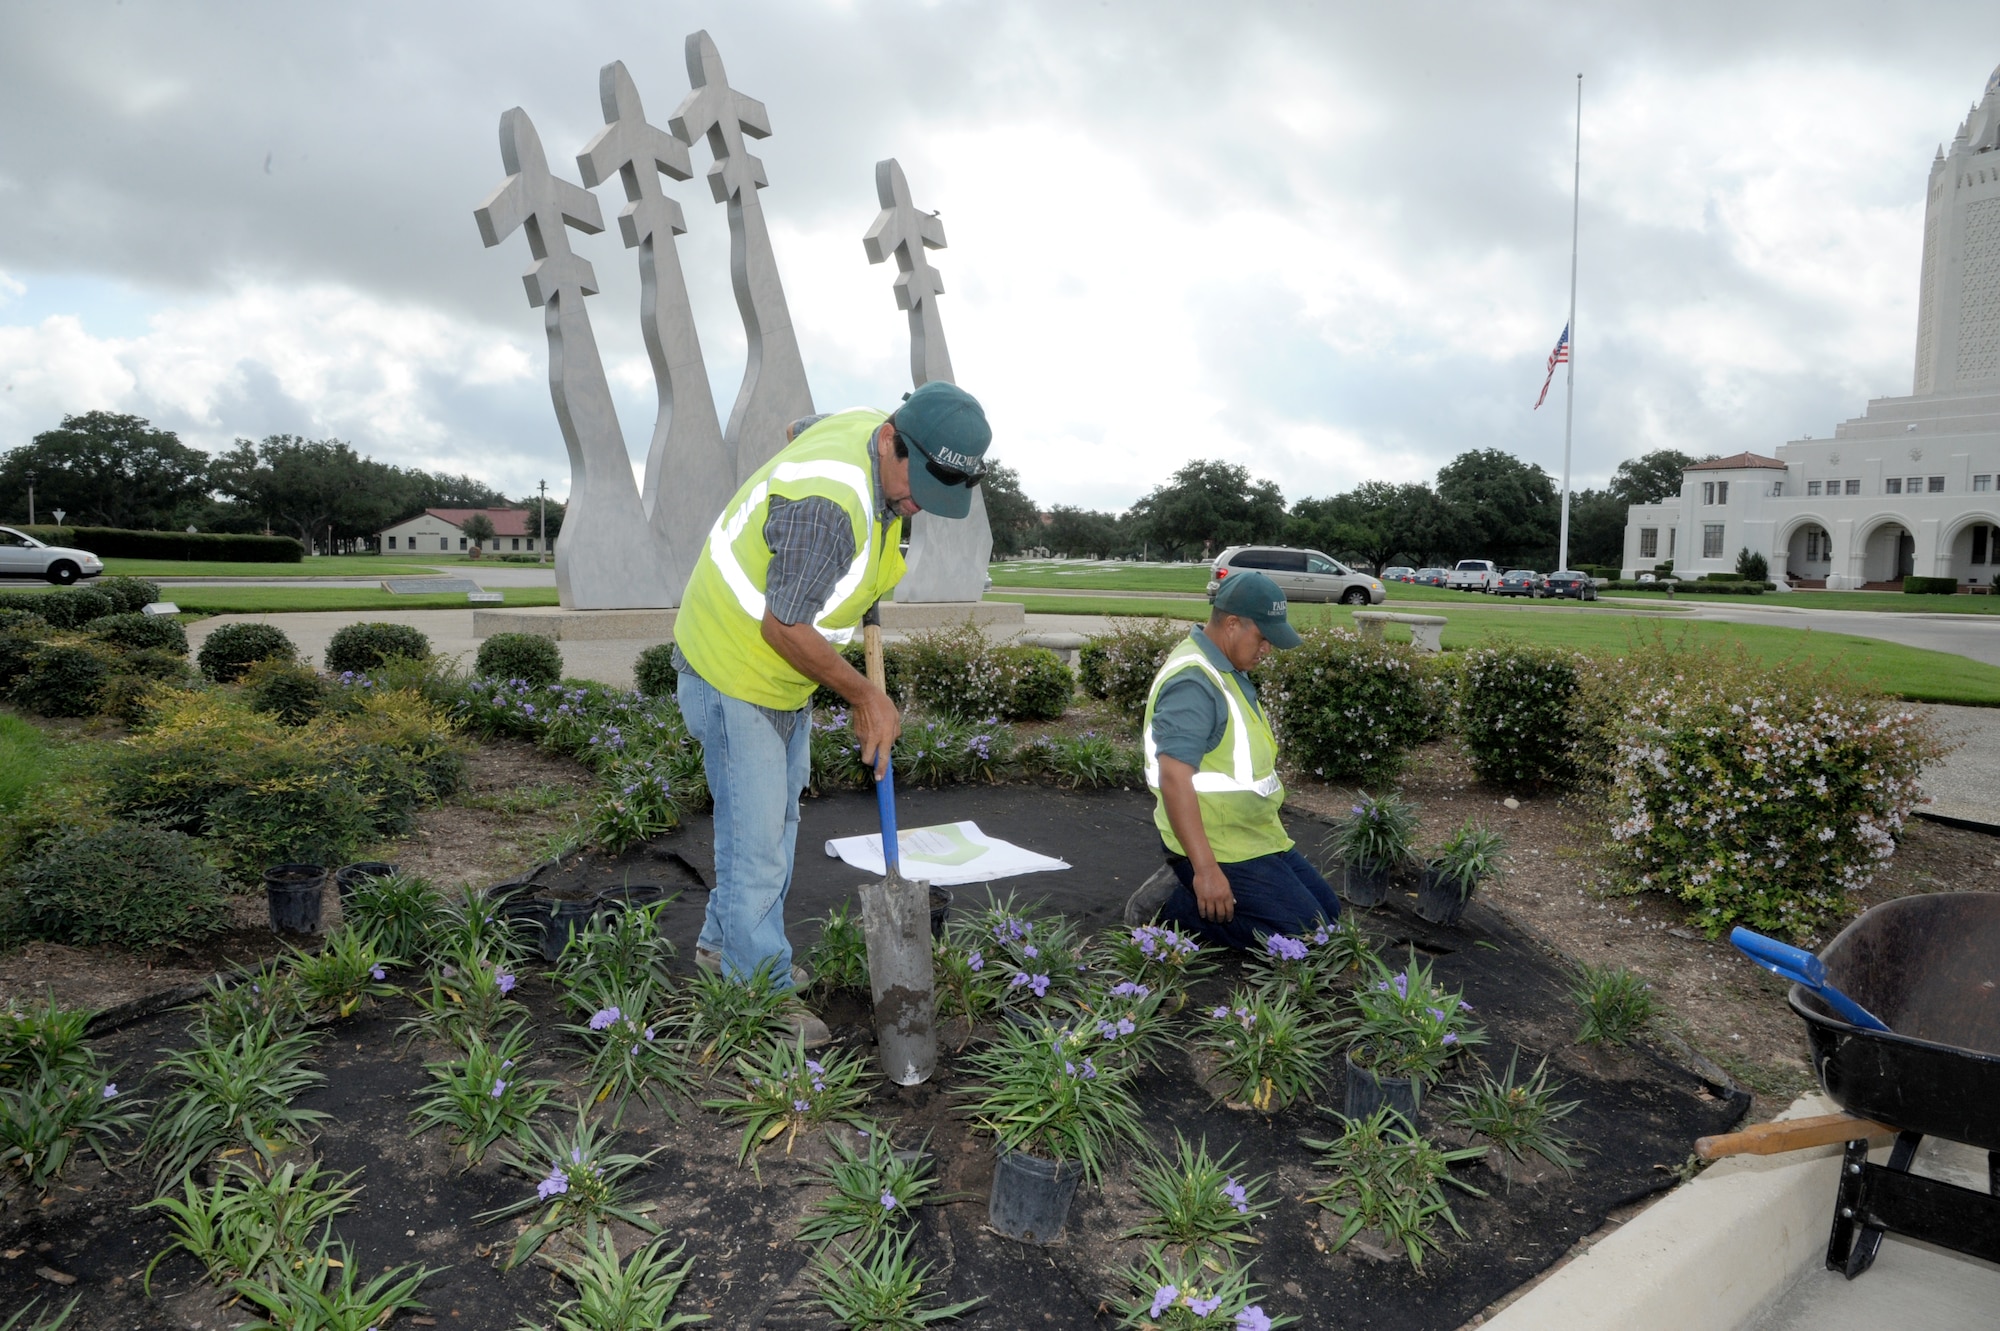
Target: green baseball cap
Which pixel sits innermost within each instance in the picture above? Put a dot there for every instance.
(1253, 596)
(947, 432)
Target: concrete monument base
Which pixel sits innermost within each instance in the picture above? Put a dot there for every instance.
(658, 625)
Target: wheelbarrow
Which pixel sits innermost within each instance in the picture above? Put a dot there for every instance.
(1929, 968)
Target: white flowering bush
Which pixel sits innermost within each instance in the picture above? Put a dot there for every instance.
(1346, 709)
(1762, 801)
(1118, 666)
(1518, 713)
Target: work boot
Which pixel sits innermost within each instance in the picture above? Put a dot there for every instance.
(799, 1020)
(712, 963)
(1143, 906)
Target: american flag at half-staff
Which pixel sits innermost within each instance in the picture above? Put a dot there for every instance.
(1557, 357)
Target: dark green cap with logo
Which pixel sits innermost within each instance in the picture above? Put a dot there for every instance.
(1251, 595)
(947, 432)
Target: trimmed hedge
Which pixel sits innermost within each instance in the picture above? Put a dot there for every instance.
(523, 656)
(203, 547)
(360, 648)
(1347, 709)
(131, 884)
(1118, 667)
(1701, 587)
(63, 608)
(1518, 713)
(65, 678)
(231, 650)
(128, 595)
(654, 671)
(134, 632)
(1930, 586)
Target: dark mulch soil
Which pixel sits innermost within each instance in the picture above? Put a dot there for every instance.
(1640, 1114)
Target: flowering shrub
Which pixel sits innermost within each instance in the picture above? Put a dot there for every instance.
(967, 987)
(869, 1191)
(1197, 1199)
(632, 1048)
(1153, 954)
(1190, 1291)
(1517, 713)
(1033, 957)
(56, 1099)
(1390, 1177)
(1086, 760)
(344, 974)
(1054, 1092)
(784, 1090)
(959, 672)
(1766, 803)
(484, 1097)
(632, 806)
(1376, 834)
(1411, 1026)
(580, 1179)
(466, 997)
(1267, 1051)
(1304, 968)
(1346, 709)
(1118, 666)
(524, 656)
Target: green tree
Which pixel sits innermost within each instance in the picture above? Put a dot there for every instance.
(1509, 507)
(1374, 524)
(107, 470)
(1653, 476)
(1210, 505)
(478, 529)
(1080, 531)
(319, 490)
(439, 490)
(1596, 527)
(1016, 523)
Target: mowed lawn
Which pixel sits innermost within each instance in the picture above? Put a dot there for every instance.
(1903, 672)
(313, 566)
(237, 600)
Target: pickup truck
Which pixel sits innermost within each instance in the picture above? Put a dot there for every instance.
(1473, 575)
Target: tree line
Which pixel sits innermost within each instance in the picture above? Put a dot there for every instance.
(104, 469)
(1486, 504)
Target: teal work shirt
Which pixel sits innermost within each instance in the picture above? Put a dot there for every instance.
(1190, 716)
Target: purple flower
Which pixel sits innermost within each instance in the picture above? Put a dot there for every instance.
(111, 1090)
(649, 1032)
(975, 962)
(1163, 1298)
(1127, 989)
(888, 1200)
(1253, 1319)
(813, 1066)
(1238, 1198)
(1029, 950)
(498, 1087)
(1089, 1070)
(1203, 1307)
(556, 1182)
(1435, 1012)
(1450, 1037)
(506, 1063)
(1464, 1006)
(801, 1106)
(603, 1017)
(1220, 1012)
(378, 972)
(1285, 949)
(1040, 984)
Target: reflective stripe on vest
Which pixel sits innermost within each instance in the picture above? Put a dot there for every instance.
(1242, 776)
(730, 525)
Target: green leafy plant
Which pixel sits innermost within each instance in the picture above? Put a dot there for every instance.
(1051, 1092)
(1039, 957)
(528, 657)
(1306, 970)
(1197, 1199)
(839, 960)
(1376, 834)
(361, 648)
(1518, 1116)
(943, 750)
(229, 651)
(484, 1097)
(1118, 666)
(18, 1321)
(402, 914)
(1347, 709)
(127, 883)
(475, 925)
(289, 690)
(1087, 761)
(633, 1048)
(308, 1295)
(870, 1191)
(44, 1041)
(464, 997)
(1192, 1292)
(1268, 1053)
(251, 999)
(1159, 956)
(246, 1225)
(580, 1180)
(653, 672)
(1518, 713)
(784, 1091)
(636, 1294)
(344, 974)
(1470, 854)
(65, 678)
(1410, 1025)
(726, 1018)
(73, 607)
(618, 950)
(881, 1288)
(128, 596)
(966, 988)
(47, 1121)
(1391, 1178)
(1617, 1004)
(1344, 946)
(135, 632)
(234, 1091)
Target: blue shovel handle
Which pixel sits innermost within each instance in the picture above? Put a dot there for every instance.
(885, 802)
(1802, 967)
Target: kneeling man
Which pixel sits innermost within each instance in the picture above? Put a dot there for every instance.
(1211, 761)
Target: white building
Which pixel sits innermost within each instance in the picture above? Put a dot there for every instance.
(1907, 489)
(441, 531)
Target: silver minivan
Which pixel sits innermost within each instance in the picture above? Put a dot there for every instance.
(1303, 575)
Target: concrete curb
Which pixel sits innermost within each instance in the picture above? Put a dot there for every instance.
(1713, 1253)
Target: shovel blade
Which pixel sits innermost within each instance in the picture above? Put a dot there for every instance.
(896, 918)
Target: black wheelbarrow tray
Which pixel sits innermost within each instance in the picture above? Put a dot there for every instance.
(1929, 967)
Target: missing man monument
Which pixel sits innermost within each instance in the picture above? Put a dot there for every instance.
(626, 549)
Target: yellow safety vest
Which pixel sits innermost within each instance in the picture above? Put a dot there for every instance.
(1237, 784)
(719, 627)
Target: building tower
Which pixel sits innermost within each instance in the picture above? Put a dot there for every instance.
(1958, 306)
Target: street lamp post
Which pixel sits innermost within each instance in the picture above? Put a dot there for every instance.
(543, 486)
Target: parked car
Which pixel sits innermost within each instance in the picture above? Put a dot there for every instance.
(1473, 575)
(1567, 582)
(1397, 573)
(1303, 575)
(22, 556)
(1520, 582)
(1429, 577)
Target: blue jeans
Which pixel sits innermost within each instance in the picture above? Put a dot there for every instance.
(755, 778)
(1275, 894)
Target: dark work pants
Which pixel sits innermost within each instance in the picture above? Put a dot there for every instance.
(1275, 894)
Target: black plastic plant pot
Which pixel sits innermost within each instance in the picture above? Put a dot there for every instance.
(1031, 1196)
(350, 876)
(1367, 1093)
(294, 892)
(1365, 884)
(564, 919)
(1438, 898)
(940, 907)
(629, 895)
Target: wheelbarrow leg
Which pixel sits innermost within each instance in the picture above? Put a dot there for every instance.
(1848, 1251)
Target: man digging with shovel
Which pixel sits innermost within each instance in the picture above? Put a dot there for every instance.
(808, 544)
(1212, 762)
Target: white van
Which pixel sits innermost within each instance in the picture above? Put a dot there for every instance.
(1473, 575)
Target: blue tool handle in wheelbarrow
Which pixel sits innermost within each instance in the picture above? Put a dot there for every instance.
(885, 802)
(1802, 967)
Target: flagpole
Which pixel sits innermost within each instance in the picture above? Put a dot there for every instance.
(1569, 382)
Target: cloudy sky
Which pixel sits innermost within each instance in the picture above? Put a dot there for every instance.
(1330, 242)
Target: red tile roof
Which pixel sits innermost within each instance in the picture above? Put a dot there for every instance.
(1740, 462)
(506, 521)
